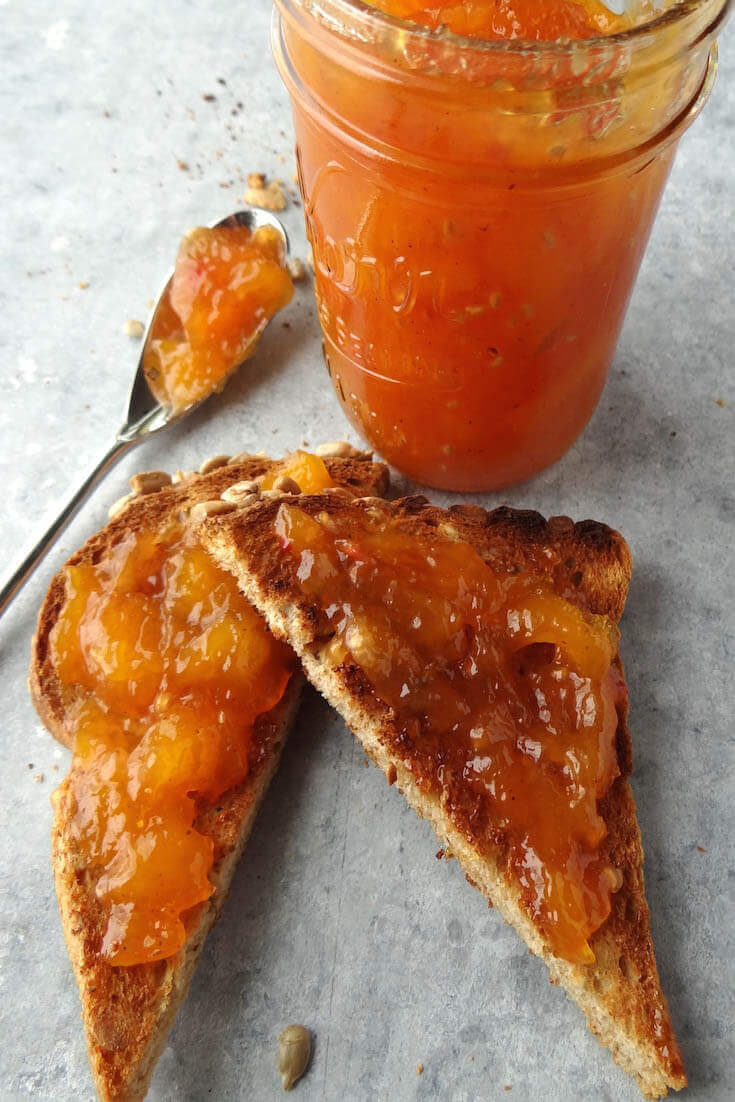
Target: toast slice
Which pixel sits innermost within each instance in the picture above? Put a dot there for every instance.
(590, 566)
(128, 1010)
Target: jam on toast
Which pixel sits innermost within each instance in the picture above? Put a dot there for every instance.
(475, 656)
(177, 701)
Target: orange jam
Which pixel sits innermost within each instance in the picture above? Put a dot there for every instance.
(504, 695)
(228, 283)
(173, 667)
(307, 470)
(478, 209)
(535, 20)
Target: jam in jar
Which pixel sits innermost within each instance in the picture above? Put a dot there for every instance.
(478, 208)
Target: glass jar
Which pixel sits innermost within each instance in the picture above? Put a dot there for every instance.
(478, 212)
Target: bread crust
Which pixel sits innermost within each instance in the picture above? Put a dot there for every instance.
(590, 565)
(128, 1011)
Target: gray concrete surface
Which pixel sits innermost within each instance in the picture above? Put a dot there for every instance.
(340, 917)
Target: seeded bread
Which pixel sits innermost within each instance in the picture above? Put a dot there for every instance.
(128, 1011)
(589, 564)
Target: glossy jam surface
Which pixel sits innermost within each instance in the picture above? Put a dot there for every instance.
(504, 692)
(173, 667)
(227, 284)
(477, 222)
(534, 20)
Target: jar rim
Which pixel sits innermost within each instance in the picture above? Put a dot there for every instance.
(366, 16)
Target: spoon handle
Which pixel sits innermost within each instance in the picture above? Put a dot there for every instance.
(29, 564)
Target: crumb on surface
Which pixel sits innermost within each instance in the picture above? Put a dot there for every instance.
(718, 401)
(419, 1069)
(296, 269)
(83, 284)
(268, 196)
(38, 779)
(701, 849)
(133, 328)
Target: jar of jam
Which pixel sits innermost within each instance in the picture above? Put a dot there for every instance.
(478, 209)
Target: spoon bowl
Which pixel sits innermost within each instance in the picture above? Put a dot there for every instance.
(145, 416)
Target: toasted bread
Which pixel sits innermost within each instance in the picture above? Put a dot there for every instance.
(590, 565)
(128, 1011)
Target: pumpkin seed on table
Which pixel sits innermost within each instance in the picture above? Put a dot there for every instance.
(294, 1050)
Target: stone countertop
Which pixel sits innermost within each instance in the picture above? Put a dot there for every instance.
(119, 131)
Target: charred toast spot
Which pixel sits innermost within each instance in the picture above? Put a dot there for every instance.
(472, 514)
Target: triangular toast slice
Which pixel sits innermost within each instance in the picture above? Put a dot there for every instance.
(128, 1010)
(288, 568)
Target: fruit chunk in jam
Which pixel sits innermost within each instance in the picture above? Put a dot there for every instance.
(536, 20)
(504, 694)
(308, 471)
(173, 668)
(228, 283)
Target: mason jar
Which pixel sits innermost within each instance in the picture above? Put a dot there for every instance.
(478, 212)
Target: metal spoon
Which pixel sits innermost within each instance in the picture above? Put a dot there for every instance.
(145, 416)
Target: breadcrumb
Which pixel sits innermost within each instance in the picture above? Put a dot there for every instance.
(268, 196)
(133, 328)
(296, 269)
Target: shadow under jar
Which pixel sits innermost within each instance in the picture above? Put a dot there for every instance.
(478, 212)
